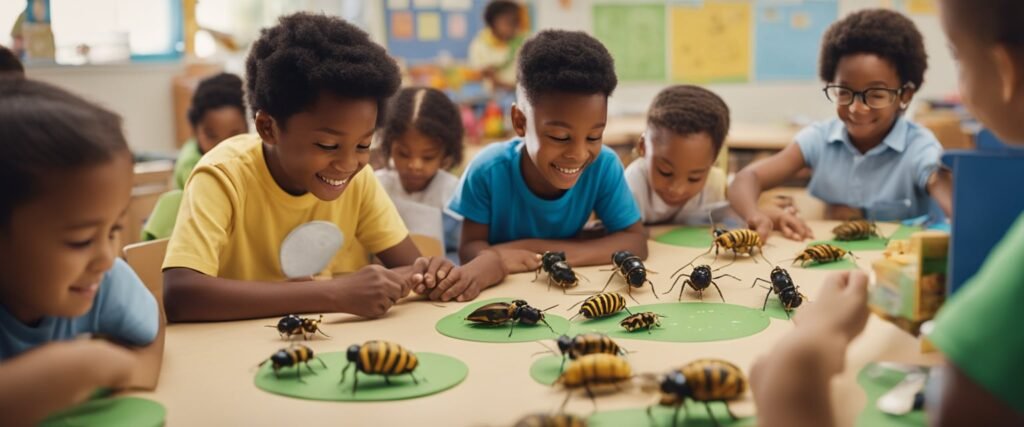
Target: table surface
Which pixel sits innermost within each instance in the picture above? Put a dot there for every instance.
(209, 368)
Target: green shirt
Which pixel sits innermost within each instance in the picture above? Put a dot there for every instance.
(160, 223)
(979, 328)
(187, 159)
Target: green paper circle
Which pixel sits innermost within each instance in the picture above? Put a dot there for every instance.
(874, 388)
(687, 237)
(685, 322)
(775, 310)
(547, 369)
(843, 264)
(113, 412)
(872, 243)
(698, 416)
(436, 373)
(456, 326)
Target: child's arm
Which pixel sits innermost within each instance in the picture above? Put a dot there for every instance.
(961, 401)
(762, 175)
(57, 375)
(584, 252)
(791, 383)
(940, 187)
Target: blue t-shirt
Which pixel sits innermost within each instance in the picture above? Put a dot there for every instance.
(890, 181)
(123, 310)
(492, 191)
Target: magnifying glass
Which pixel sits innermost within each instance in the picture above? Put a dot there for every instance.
(308, 248)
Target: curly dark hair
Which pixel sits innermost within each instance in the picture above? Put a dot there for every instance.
(44, 130)
(565, 61)
(992, 21)
(9, 63)
(305, 54)
(496, 8)
(431, 113)
(221, 90)
(881, 32)
(688, 110)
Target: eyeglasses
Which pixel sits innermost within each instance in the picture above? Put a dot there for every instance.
(876, 97)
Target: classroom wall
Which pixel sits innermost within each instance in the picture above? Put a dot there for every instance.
(761, 102)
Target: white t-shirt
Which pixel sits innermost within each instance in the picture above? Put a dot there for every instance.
(425, 212)
(654, 210)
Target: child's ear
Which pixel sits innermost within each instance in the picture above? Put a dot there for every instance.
(1009, 72)
(907, 95)
(641, 147)
(447, 162)
(266, 127)
(518, 121)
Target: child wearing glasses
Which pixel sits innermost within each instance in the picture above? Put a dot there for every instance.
(869, 162)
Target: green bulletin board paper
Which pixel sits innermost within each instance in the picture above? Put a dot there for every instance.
(635, 36)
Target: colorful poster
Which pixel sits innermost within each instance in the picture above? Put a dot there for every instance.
(788, 38)
(921, 7)
(457, 26)
(428, 26)
(710, 41)
(635, 36)
(456, 5)
(401, 25)
(398, 4)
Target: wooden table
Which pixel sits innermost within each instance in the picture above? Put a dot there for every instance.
(208, 370)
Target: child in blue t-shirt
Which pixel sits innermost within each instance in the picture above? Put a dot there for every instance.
(65, 181)
(536, 192)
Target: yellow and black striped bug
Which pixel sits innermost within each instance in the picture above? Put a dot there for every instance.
(739, 241)
(499, 313)
(856, 230)
(594, 369)
(647, 319)
(699, 279)
(292, 325)
(705, 381)
(549, 420)
(631, 268)
(293, 356)
(584, 344)
(547, 262)
(601, 305)
(379, 358)
(783, 286)
(821, 253)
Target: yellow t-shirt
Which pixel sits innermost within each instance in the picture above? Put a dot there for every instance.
(234, 216)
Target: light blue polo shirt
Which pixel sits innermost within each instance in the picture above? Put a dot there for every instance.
(890, 181)
(123, 309)
(492, 191)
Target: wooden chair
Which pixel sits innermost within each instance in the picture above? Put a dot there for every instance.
(146, 259)
(141, 205)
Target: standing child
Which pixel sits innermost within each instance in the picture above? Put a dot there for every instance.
(870, 161)
(978, 328)
(535, 193)
(422, 138)
(493, 51)
(675, 180)
(65, 181)
(315, 84)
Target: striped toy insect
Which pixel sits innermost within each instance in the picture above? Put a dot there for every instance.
(601, 305)
(699, 279)
(631, 268)
(703, 380)
(379, 358)
(647, 319)
(856, 230)
(822, 253)
(547, 262)
(783, 286)
(594, 369)
(739, 241)
(292, 356)
(584, 344)
(547, 420)
(499, 313)
(292, 325)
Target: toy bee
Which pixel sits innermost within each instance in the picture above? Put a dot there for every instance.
(855, 230)
(782, 285)
(499, 313)
(594, 369)
(699, 279)
(379, 358)
(601, 305)
(647, 319)
(584, 344)
(556, 420)
(740, 241)
(822, 253)
(563, 275)
(705, 381)
(547, 262)
(292, 325)
(632, 270)
(293, 356)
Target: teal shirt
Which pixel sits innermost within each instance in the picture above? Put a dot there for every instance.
(979, 327)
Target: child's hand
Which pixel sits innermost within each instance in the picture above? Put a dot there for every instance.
(792, 227)
(371, 291)
(431, 270)
(111, 364)
(762, 224)
(519, 260)
(465, 283)
(841, 306)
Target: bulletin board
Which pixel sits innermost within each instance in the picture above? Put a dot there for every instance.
(420, 30)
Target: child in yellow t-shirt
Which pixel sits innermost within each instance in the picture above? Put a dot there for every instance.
(296, 201)
(493, 50)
